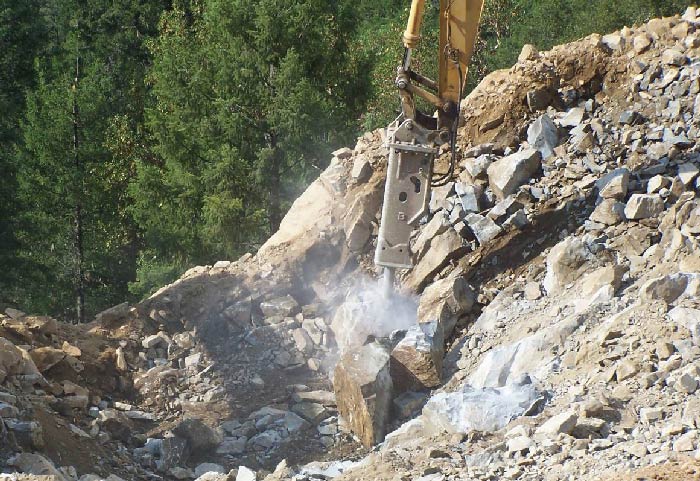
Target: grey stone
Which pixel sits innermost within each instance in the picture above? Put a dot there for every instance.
(564, 262)
(673, 57)
(573, 117)
(116, 313)
(614, 185)
(361, 169)
(609, 212)
(204, 468)
(469, 196)
(312, 412)
(563, 423)
(643, 206)
(285, 306)
(483, 228)
(509, 173)
(232, 446)
(687, 172)
(543, 135)
(201, 438)
(469, 408)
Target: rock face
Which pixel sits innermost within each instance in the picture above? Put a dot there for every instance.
(509, 173)
(363, 390)
(416, 361)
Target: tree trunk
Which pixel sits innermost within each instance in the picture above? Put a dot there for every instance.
(79, 274)
(274, 208)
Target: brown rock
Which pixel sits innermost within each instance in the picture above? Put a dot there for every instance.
(46, 357)
(416, 361)
(363, 391)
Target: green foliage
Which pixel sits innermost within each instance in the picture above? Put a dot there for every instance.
(201, 121)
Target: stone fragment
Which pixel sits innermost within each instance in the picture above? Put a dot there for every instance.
(563, 423)
(38, 465)
(614, 41)
(609, 212)
(285, 306)
(361, 169)
(532, 291)
(312, 412)
(528, 52)
(46, 357)
(469, 196)
(509, 173)
(650, 415)
(416, 361)
(688, 318)
(445, 301)
(687, 442)
(363, 391)
(641, 43)
(687, 173)
(10, 359)
(643, 206)
(573, 117)
(483, 228)
(686, 383)
(626, 370)
(614, 185)
(543, 135)
(205, 468)
(201, 438)
(666, 288)
(564, 262)
(673, 57)
(246, 474)
(443, 248)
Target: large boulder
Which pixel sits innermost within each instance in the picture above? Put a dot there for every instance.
(416, 361)
(10, 359)
(470, 409)
(564, 263)
(363, 391)
(509, 173)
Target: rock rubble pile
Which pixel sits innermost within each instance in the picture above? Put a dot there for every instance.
(550, 329)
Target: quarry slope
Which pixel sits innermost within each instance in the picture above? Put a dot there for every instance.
(550, 329)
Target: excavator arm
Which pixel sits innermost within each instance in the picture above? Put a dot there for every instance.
(414, 138)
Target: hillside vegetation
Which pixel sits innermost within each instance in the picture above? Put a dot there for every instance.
(141, 137)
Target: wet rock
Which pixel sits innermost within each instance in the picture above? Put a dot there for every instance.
(445, 301)
(416, 361)
(564, 263)
(363, 390)
(201, 438)
(543, 135)
(643, 206)
(509, 173)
